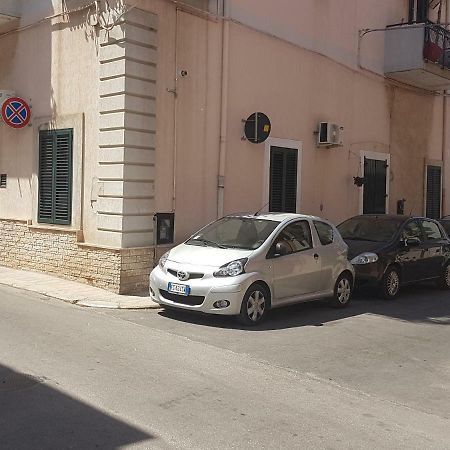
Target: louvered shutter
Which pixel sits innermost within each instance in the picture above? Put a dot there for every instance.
(45, 207)
(434, 192)
(55, 177)
(375, 172)
(283, 180)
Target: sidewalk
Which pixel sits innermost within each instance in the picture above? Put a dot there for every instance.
(71, 291)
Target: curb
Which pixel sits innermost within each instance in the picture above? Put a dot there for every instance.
(84, 302)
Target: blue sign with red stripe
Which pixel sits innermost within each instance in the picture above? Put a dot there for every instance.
(16, 113)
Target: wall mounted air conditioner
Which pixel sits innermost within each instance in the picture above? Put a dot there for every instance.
(330, 135)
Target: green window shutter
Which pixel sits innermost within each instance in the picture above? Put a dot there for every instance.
(55, 177)
(45, 206)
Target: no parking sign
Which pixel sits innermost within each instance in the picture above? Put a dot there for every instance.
(16, 112)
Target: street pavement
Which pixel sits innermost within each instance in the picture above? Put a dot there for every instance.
(375, 376)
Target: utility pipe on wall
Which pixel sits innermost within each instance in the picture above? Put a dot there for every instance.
(444, 208)
(224, 110)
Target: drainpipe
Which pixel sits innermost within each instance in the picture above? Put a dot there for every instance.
(174, 91)
(224, 109)
(445, 177)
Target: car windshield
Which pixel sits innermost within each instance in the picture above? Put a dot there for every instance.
(369, 228)
(246, 233)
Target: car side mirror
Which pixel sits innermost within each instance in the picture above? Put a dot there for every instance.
(412, 242)
(281, 249)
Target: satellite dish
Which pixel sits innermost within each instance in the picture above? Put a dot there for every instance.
(257, 128)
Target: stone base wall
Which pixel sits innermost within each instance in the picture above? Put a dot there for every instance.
(59, 252)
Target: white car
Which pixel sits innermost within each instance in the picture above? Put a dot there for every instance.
(244, 265)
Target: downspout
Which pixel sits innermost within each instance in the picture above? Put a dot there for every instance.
(174, 91)
(444, 207)
(224, 109)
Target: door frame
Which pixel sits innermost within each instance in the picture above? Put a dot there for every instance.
(437, 163)
(379, 157)
(284, 143)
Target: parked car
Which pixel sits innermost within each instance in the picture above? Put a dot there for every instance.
(445, 222)
(389, 251)
(244, 265)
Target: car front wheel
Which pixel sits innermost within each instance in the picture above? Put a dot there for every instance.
(254, 305)
(444, 279)
(342, 291)
(390, 284)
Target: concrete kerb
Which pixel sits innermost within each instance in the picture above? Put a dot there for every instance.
(71, 291)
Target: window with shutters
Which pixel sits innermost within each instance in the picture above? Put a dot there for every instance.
(283, 180)
(55, 177)
(434, 192)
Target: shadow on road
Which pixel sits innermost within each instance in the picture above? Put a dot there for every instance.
(36, 416)
(419, 303)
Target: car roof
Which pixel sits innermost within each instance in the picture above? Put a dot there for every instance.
(392, 217)
(276, 217)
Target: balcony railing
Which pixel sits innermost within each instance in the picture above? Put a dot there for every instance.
(436, 48)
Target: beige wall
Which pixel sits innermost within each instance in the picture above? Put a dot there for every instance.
(305, 74)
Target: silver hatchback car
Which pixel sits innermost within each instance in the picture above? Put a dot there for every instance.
(245, 265)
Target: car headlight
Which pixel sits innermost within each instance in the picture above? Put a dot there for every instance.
(232, 269)
(163, 259)
(364, 258)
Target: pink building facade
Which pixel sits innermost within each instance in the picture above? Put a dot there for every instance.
(151, 98)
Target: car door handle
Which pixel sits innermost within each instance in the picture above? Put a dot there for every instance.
(316, 256)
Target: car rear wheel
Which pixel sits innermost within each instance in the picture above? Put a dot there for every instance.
(390, 284)
(254, 305)
(444, 279)
(342, 291)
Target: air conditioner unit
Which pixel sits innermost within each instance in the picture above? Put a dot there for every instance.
(330, 135)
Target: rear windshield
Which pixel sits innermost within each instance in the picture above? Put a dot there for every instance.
(235, 232)
(375, 229)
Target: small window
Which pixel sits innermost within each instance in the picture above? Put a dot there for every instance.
(3, 178)
(412, 230)
(325, 232)
(296, 236)
(431, 230)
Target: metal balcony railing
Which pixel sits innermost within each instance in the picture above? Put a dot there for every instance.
(436, 48)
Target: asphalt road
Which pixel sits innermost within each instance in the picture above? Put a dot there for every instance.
(373, 376)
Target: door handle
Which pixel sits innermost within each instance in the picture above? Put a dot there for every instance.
(316, 256)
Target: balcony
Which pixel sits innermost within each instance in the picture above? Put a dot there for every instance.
(9, 11)
(418, 54)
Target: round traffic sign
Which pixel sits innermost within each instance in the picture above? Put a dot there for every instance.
(257, 128)
(16, 113)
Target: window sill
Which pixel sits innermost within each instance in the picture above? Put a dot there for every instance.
(57, 229)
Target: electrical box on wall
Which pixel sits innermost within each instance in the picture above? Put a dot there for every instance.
(165, 228)
(330, 135)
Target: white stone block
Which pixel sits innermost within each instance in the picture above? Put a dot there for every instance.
(121, 102)
(126, 138)
(127, 120)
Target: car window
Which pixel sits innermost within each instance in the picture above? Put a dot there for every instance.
(412, 230)
(235, 232)
(431, 230)
(369, 228)
(296, 237)
(325, 232)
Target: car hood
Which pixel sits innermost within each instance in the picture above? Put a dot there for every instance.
(206, 256)
(355, 248)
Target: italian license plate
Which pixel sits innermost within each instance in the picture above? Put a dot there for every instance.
(180, 289)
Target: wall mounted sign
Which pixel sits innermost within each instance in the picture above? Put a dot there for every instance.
(257, 128)
(15, 112)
